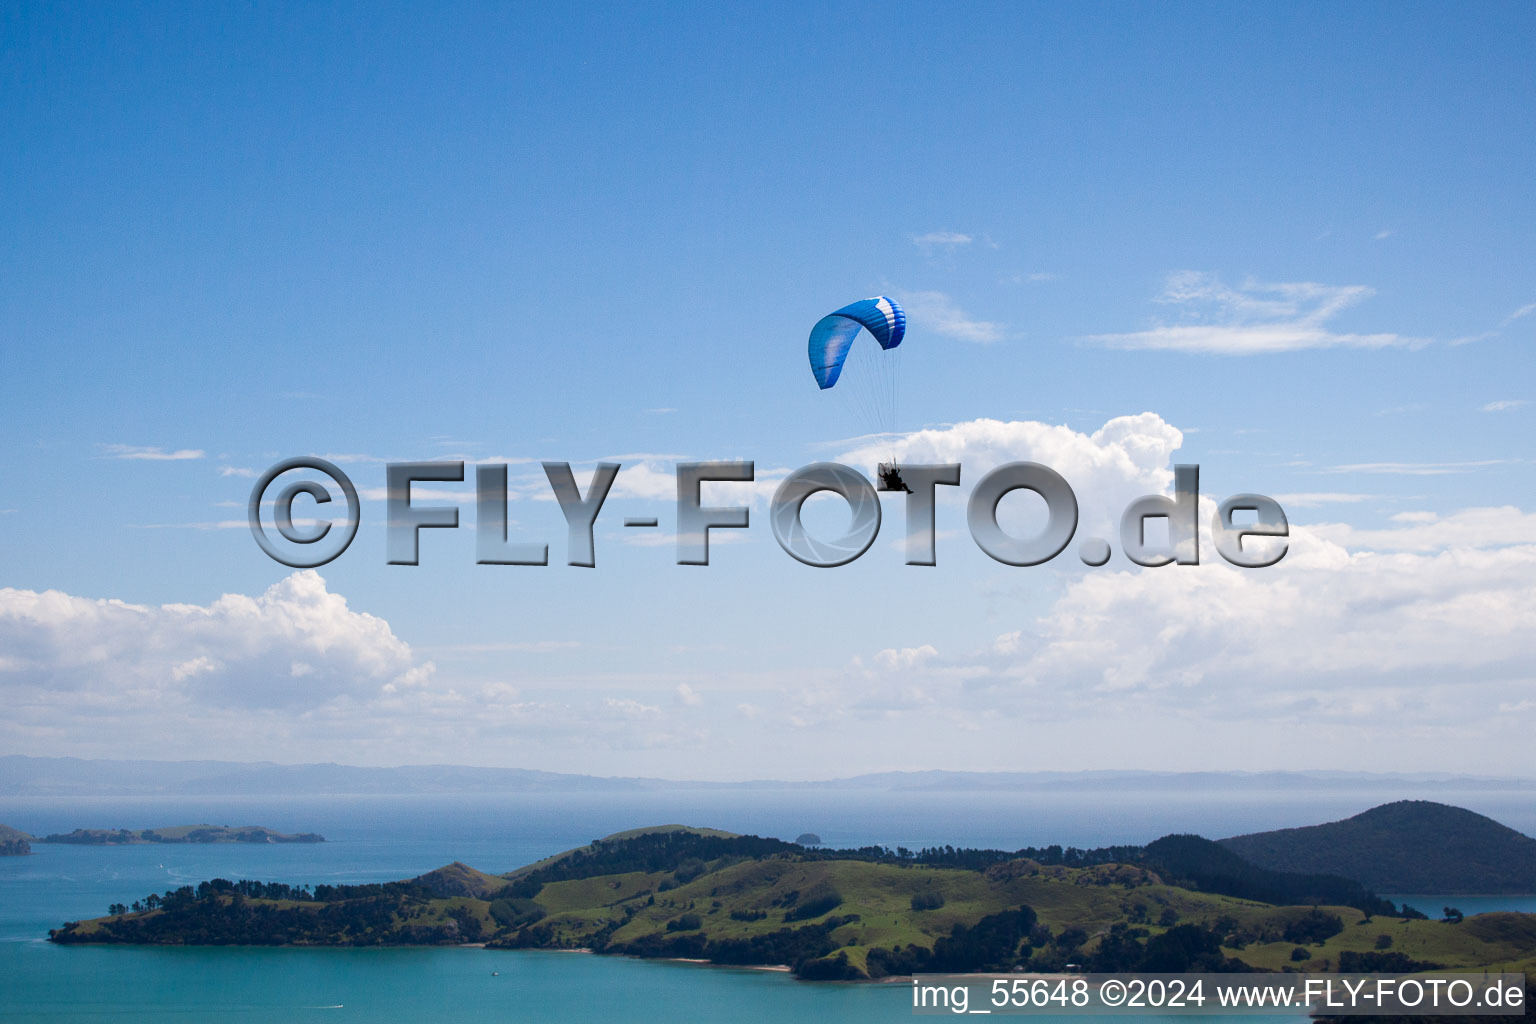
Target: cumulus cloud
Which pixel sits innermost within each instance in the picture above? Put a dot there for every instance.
(1421, 625)
(1257, 317)
(1329, 631)
(905, 657)
(1126, 458)
(296, 645)
(1415, 627)
(289, 674)
(1505, 405)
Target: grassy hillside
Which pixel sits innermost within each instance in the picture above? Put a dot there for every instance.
(1408, 846)
(828, 914)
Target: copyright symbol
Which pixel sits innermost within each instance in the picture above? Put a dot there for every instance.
(283, 511)
(1112, 992)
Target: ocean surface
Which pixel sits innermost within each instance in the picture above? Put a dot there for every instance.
(381, 838)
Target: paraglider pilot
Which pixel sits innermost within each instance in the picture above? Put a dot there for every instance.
(890, 478)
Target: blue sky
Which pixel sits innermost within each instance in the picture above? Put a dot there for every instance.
(1297, 238)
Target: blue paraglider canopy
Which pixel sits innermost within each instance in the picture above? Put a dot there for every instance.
(834, 333)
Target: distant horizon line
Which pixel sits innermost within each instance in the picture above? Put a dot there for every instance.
(9, 779)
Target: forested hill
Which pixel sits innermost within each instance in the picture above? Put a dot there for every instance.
(1210, 867)
(1412, 846)
(734, 899)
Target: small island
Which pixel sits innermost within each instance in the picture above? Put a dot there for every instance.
(14, 842)
(178, 834)
(1180, 903)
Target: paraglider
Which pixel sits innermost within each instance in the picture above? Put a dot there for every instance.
(871, 378)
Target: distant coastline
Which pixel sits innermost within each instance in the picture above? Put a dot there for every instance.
(177, 834)
(14, 842)
(70, 776)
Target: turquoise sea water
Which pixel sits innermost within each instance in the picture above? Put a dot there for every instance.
(381, 838)
(385, 985)
(1433, 904)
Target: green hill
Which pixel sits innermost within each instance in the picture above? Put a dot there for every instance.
(1211, 867)
(827, 914)
(459, 879)
(1412, 846)
(13, 842)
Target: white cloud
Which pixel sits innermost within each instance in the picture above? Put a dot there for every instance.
(1470, 528)
(421, 494)
(944, 239)
(895, 659)
(506, 646)
(629, 708)
(941, 246)
(219, 524)
(287, 674)
(152, 453)
(1409, 630)
(238, 651)
(1126, 458)
(239, 471)
(1008, 643)
(1313, 499)
(1505, 405)
(1414, 468)
(937, 312)
(1524, 311)
(688, 696)
(1327, 632)
(1255, 318)
(346, 458)
(1383, 234)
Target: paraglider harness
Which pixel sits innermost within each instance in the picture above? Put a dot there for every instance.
(890, 478)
